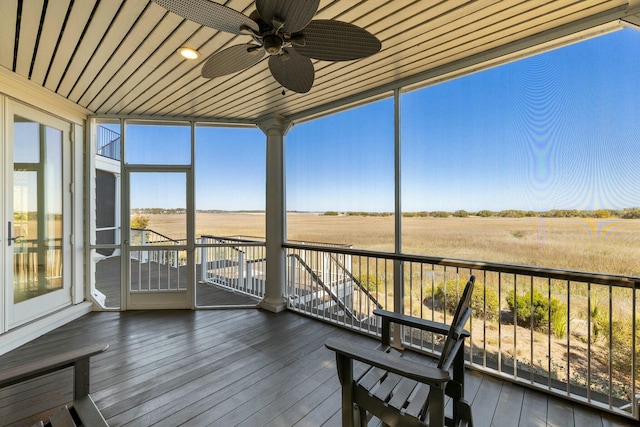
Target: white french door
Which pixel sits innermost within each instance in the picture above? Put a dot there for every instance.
(37, 204)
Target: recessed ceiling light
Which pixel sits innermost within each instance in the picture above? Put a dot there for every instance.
(189, 53)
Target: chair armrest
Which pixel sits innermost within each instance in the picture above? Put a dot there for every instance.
(14, 375)
(380, 359)
(414, 322)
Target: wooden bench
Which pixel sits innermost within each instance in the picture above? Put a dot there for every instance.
(83, 408)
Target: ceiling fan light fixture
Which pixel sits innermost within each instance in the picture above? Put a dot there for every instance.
(272, 44)
(189, 53)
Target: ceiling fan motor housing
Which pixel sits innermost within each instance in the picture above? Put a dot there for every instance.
(272, 44)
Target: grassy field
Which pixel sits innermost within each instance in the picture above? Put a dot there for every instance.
(586, 244)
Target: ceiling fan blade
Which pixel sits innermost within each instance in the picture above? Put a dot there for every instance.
(331, 40)
(296, 73)
(209, 14)
(231, 60)
(296, 14)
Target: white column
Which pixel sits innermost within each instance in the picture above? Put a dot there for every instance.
(275, 128)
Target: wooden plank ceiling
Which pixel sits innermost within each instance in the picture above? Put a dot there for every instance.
(119, 57)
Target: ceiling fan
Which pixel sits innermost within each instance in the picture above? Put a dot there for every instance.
(283, 30)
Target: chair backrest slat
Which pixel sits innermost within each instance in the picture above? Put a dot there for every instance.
(460, 317)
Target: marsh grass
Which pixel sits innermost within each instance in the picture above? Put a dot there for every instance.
(600, 245)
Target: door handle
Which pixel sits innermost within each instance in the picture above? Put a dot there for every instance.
(11, 239)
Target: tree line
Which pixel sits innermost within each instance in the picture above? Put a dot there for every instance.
(629, 213)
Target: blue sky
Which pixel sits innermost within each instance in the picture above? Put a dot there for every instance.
(343, 162)
(554, 131)
(558, 130)
(230, 167)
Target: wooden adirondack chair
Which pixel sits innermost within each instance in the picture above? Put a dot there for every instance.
(83, 409)
(401, 392)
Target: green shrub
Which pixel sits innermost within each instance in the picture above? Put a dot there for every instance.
(461, 213)
(597, 318)
(602, 213)
(537, 308)
(512, 213)
(139, 221)
(366, 214)
(565, 213)
(449, 299)
(633, 213)
(330, 213)
(370, 282)
(559, 321)
(439, 214)
(486, 213)
(420, 214)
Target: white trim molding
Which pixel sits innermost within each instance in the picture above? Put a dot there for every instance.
(26, 333)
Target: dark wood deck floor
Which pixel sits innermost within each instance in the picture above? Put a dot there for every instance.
(236, 367)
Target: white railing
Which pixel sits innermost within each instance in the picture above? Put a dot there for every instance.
(236, 264)
(154, 264)
(158, 263)
(157, 270)
(323, 284)
(571, 334)
(145, 237)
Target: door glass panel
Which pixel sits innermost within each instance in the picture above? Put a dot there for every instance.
(37, 209)
(158, 215)
(106, 260)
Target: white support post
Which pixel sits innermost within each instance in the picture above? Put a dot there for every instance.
(144, 255)
(292, 276)
(176, 263)
(275, 128)
(325, 271)
(203, 261)
(248, 268)
(241, 283)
